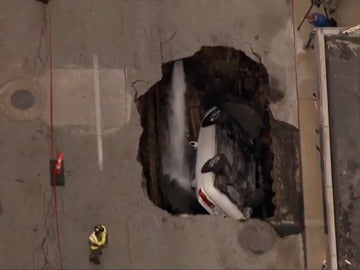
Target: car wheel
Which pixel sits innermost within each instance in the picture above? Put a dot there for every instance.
(255, 199)
(211, 117)
(218, 164)
(245, 116)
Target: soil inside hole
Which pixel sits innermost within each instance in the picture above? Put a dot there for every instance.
(216, 76)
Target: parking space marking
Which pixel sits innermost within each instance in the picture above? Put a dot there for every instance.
(127, 97)
(98, 111)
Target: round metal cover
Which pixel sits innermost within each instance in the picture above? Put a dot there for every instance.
(258, 237)
(22, 99)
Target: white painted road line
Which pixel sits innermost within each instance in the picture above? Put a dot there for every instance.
(128, 100)
(98, 111)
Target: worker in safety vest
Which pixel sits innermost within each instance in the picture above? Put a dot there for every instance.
(97, 241)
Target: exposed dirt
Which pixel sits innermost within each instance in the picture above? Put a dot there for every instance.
(216, 75)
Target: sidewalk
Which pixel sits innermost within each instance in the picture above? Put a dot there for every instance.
(306, 72)
(314, 233)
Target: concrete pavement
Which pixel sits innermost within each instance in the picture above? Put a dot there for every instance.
(314, 235)
(131, 40)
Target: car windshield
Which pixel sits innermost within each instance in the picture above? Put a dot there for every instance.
(228, 146)
(233, 182)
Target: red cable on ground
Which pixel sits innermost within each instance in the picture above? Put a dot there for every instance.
(52, 141)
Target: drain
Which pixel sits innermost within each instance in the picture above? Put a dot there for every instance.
(257, 237)
(22, 99)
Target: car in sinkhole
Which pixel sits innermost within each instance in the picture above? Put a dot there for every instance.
(227, 179)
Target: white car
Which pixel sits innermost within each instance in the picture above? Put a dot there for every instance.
(226, 181)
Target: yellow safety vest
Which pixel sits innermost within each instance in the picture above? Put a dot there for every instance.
(98, 243)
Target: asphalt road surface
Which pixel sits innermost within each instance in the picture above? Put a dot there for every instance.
(104, 54)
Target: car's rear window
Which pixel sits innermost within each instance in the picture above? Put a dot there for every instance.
(231, 149)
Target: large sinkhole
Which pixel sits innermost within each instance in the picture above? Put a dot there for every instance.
(210, 144)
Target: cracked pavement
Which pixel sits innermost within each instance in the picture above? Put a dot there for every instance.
(162, 44)
(133, 86)
(43, 47)
(254, 53)
(125, 36)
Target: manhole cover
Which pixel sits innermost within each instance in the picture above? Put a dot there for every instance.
(22, 99)
(258, 237)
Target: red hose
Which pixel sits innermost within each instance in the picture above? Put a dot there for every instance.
(52, 140)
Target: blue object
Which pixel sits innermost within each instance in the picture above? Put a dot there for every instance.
(321, 21)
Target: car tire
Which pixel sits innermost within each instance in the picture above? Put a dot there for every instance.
(211, 117)
(245, 116)
(255, 198)
(218, 164)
